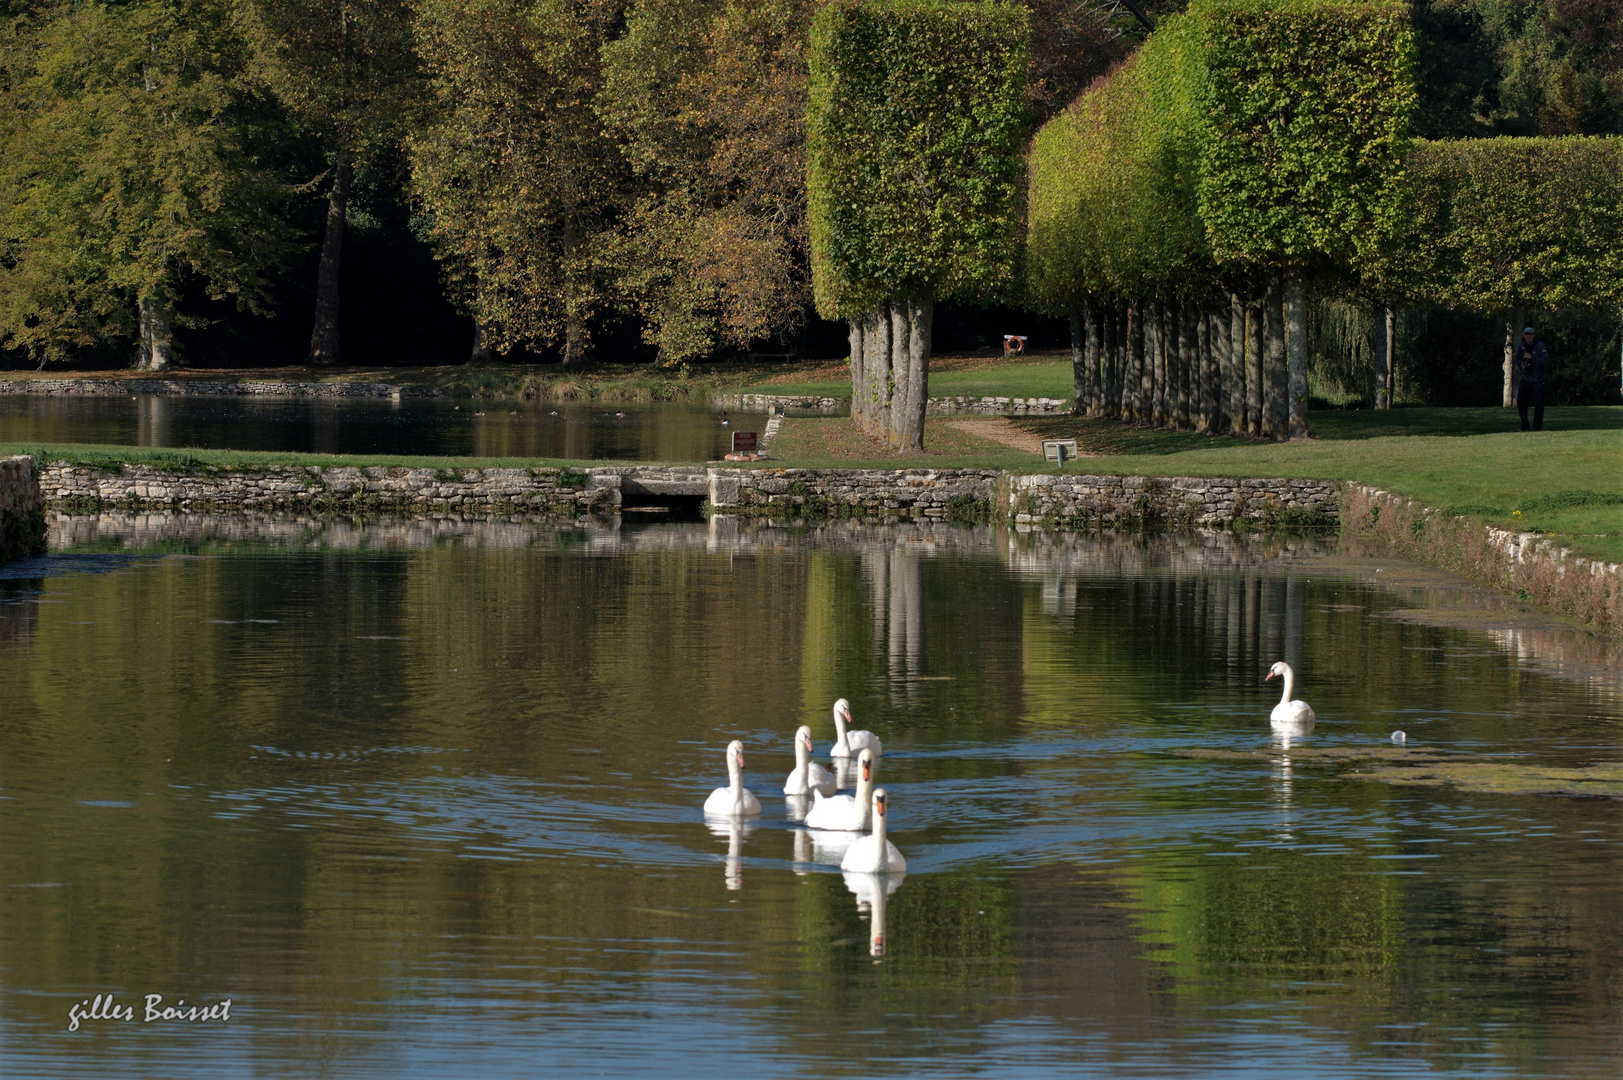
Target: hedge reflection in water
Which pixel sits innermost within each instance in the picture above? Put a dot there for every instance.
(424, 796)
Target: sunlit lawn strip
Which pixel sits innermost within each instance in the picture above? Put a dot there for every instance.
(1565, 483)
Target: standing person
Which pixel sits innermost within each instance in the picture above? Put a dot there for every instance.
(1533, 366)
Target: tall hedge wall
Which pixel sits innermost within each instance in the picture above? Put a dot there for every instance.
(1306, 116)
(1500, 224)
(915, 131)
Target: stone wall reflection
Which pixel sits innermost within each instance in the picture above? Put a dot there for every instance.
(1258, 613)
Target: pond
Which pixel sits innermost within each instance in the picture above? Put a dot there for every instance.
(578, 430)
(422, 798)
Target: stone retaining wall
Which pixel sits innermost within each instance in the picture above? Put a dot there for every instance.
(1059, 500)
(348, 489)
(1527, 565)
(1040, 500)
(215, 387)
(768, 402)
(1002, 406)
(22, 510)
(963, 494)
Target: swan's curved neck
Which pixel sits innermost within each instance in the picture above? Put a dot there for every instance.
(879, 836)
(1290, 684)
(801, 754)
(865, 789)
(735, 775)
(839, 727)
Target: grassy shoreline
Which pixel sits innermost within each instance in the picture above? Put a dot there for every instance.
(1566, 484)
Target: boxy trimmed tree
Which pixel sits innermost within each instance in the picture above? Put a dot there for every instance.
(1274, 129)
(914, 136)
(1509, 225)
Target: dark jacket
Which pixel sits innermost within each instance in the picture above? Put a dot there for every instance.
(1532, 362)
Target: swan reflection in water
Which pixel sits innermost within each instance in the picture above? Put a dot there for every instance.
(872, 892)
(796, 806)
(1282, 783)
(823, 846)
(734, 831)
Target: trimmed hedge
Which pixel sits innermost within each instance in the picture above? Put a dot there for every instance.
(1306, 128)
(1516, 223)
(915, 131)
(1245, 136)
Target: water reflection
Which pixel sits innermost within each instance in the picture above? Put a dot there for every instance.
(396, 785)
(873, 892)
(579, 430)
(734, 831)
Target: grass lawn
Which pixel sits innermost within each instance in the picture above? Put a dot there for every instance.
(1566, 481)
(1046, 374)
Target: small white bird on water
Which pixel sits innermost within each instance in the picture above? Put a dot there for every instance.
(874, 854)
(1289, 715)
(851, 743)
(808, 776)
(734, 800)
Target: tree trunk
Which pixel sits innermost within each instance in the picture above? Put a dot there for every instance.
(1391, 336)
(577, 342)
(1513, 334)
(482, 352)
(1211, 386)
(1276, 407)
(1081, 331)
(156, 351)
(1093, 356)
(1139, 375)
(1253, 368)
(919, 321)
(1116, 347)
(1155, 360)
(1188, 342)
(890, 352)
(1377, 347)
(324, 338)
(1296, 316)
(1234, 367)
(859, 382)
(877, 368)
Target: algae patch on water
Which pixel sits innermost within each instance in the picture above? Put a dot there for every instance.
(1501, 778)
(1467, 772)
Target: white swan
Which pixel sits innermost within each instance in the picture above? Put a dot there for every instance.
(851, 743)
(808, 776)
(874, 854)
(1288, 714)
(845, 813)
(734, 800)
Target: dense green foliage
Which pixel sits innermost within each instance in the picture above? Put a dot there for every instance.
(915, 124)
(1518, 223)
(520, 186)
(1245, 135)
(1306, 106)
(129, 171)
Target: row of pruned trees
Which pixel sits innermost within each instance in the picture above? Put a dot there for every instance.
(1252, 150)
(1183, 206)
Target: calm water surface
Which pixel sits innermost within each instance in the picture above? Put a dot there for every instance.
(422, 799)
(581, 430)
